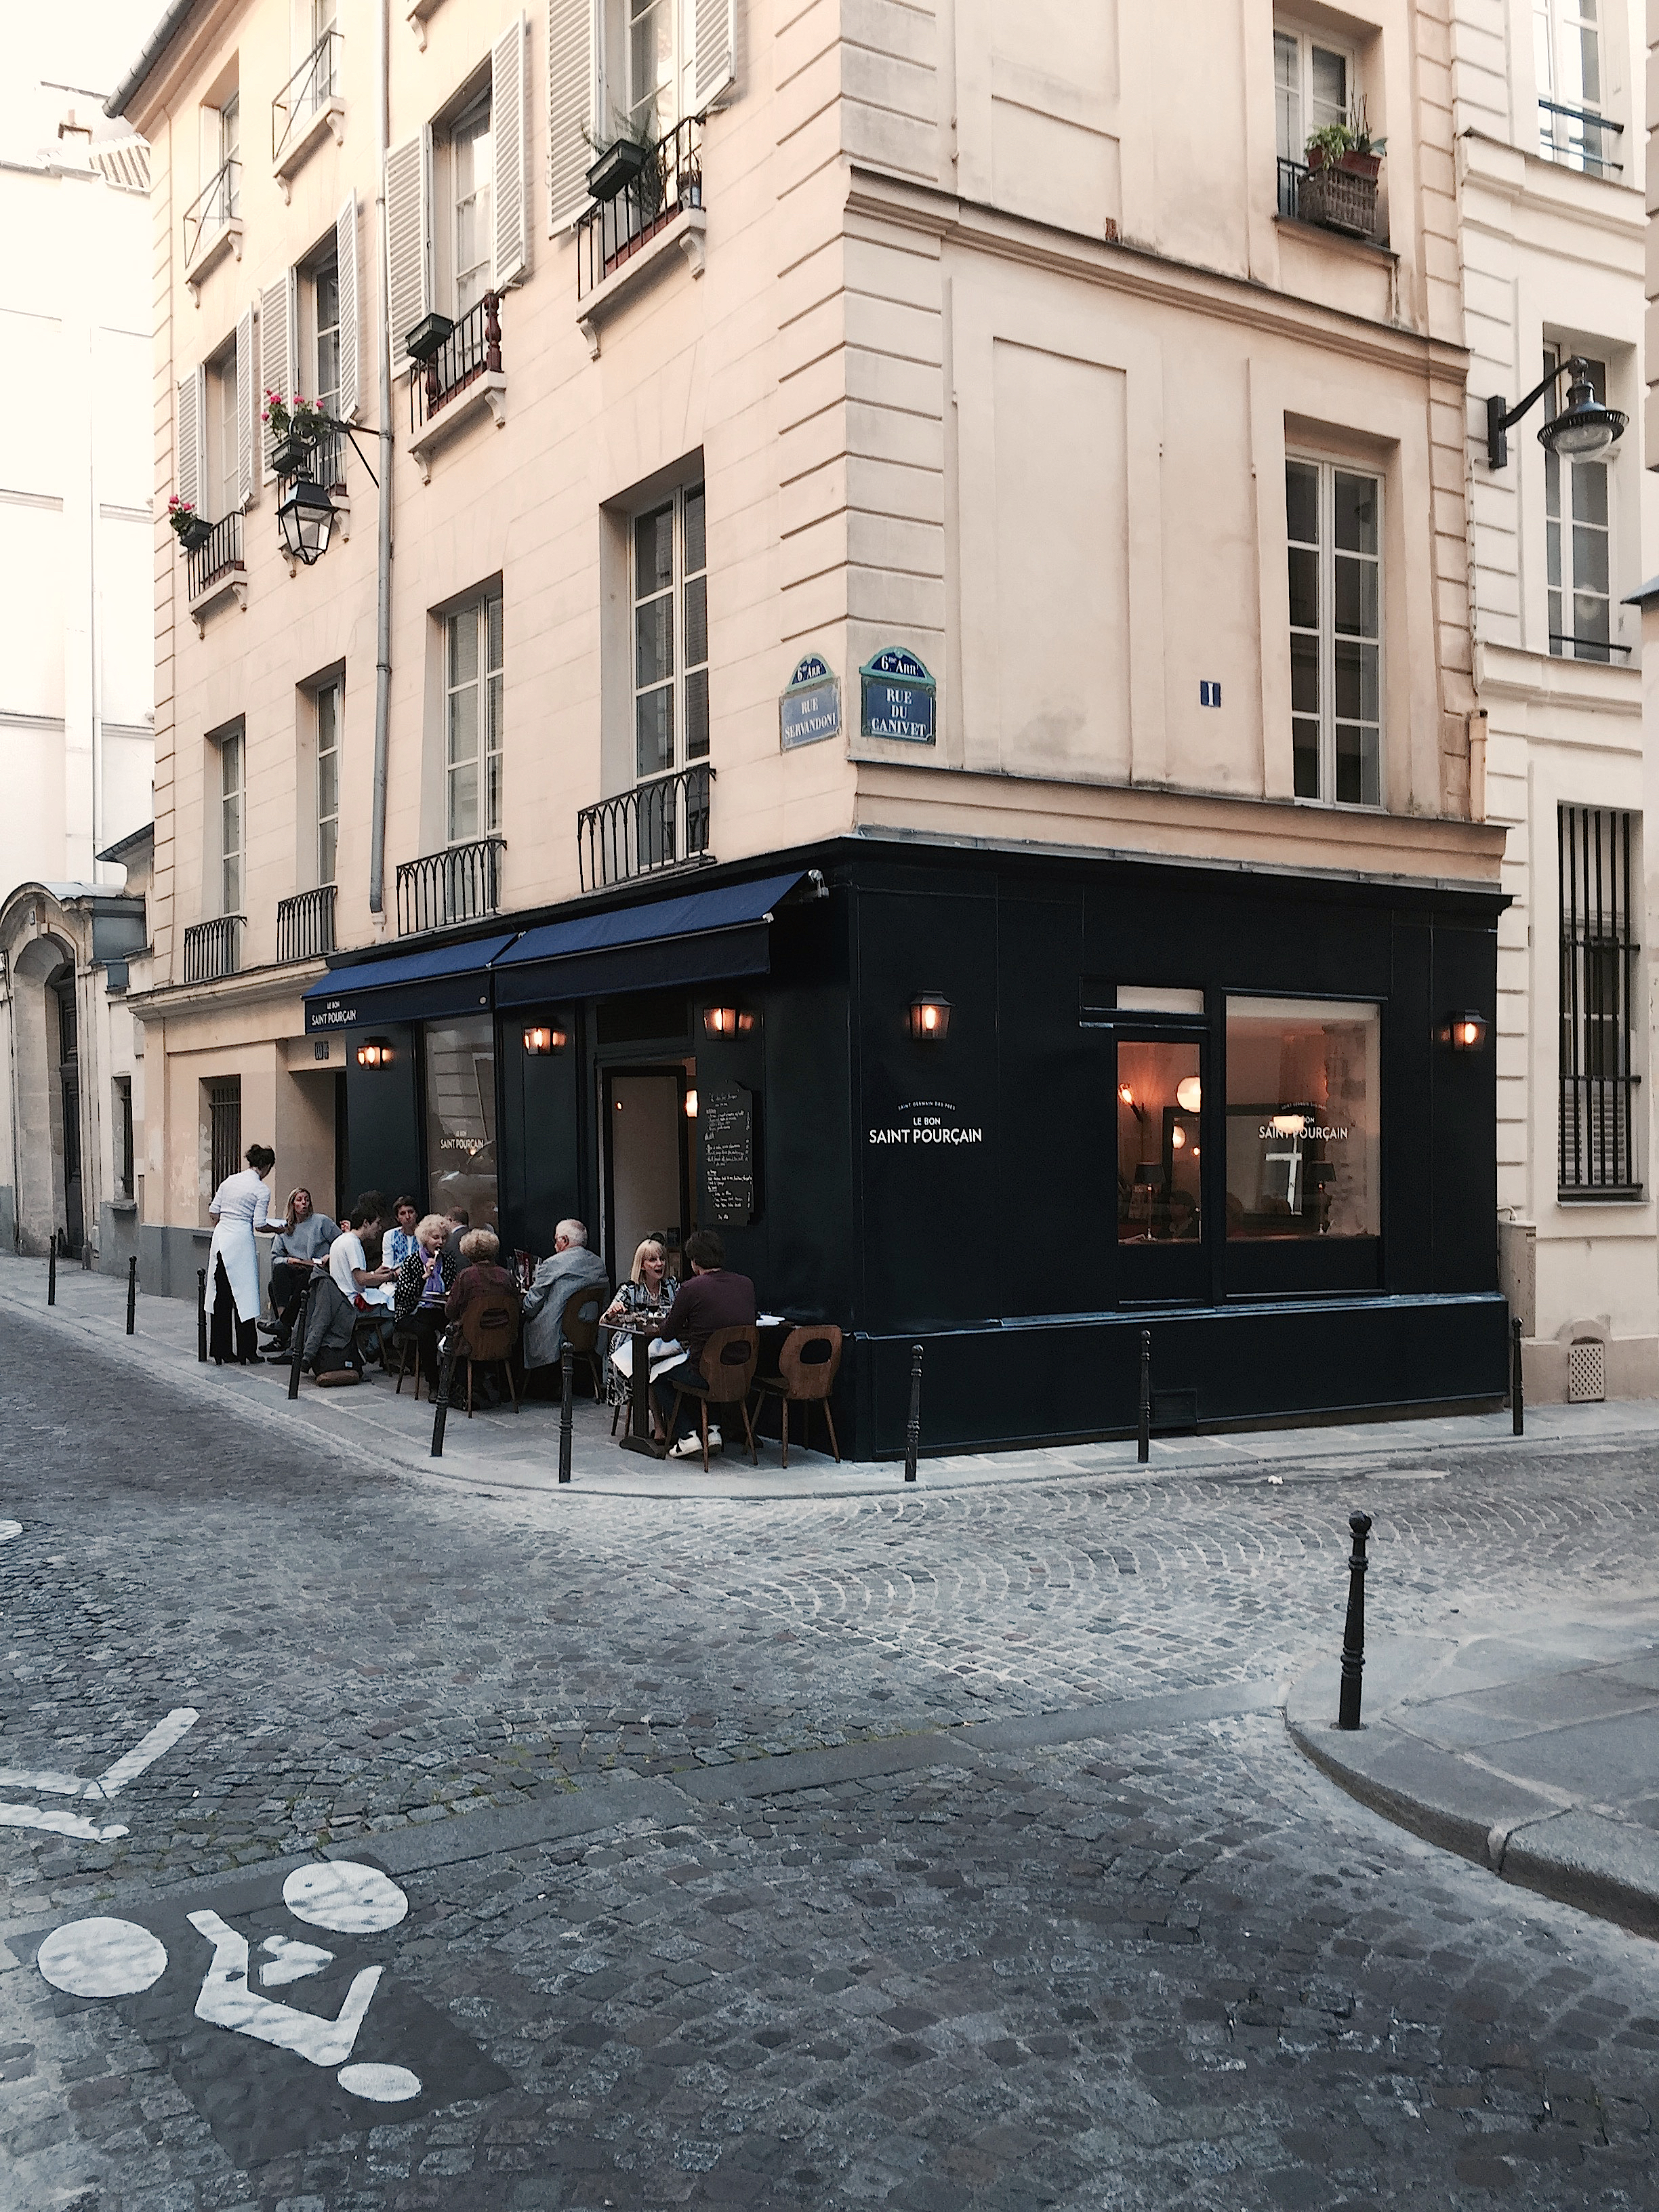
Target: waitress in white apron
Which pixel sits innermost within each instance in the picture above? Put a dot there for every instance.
(240, 1208)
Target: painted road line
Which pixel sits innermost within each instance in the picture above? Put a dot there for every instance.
(9, 1529)
(145, 1752)
(52, 1783)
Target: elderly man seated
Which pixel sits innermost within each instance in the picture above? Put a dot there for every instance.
(570, 1267)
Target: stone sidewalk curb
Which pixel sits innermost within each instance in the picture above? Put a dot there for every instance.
(1606, 1867)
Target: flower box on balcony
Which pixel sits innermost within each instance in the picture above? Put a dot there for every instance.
(617, 168)
(290, 455)
(427, 336)
(195, 534)
(1341, 196)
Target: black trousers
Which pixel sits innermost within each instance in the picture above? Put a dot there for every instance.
(229, 1336)
(290, 1279)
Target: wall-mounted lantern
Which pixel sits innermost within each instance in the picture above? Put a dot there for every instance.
(1464, 1032)
(690, 1105)
(727, 1021)
(930, 1017)
(1582, 427)
(374, 1052)
(544, 1037)
(305, 519)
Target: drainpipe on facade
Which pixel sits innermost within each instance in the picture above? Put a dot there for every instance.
(383, 568)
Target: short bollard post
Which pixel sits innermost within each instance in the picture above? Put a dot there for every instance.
(133, 1292)
(86, 1258)
(1354, 1632)
(912, 1426)
(200, 1315)
(567, 1379)
(440, 1412)
(51, 1270)
(301, 1327)
(1518, 1394)
(1144, 1431)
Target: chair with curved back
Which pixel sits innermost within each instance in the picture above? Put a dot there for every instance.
(724, 1377)
(489, 1333)
(809, 1360)
(580, 1323)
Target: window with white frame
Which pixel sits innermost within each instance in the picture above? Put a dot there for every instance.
(1334, 529)
(325, 327)
(472, 179)
(230, 158)
(231, 822)
(661, 49)
(473, 683)
(1578, 498)
(1572, 124)
(222, 456)
(327, 709)
(633, 68)
(1314, 86)
(670, 635)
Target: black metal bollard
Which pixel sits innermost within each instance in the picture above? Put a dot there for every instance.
(440, 1412)
(301, 1327)
(912, 1426)
(86, 1258)
(51, 1270)
(200, 1315)
(567, 1382)
(1354, 1631)
(1517, 1395)
(133, 1292)
(1144, 1431)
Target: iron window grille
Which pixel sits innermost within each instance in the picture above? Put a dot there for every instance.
(305, 924)
(213, 948)
(1597, 859)
(225, 1126)
(657, 825)
(312, 86)
(462, 883)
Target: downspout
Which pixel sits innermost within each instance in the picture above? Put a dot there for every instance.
(383, 568)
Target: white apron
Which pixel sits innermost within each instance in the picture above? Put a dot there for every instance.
(240, 1201)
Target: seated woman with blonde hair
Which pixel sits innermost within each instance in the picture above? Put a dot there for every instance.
(425, 1275)
(647, 1295)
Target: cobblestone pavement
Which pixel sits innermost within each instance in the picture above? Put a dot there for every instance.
(1055, 1958)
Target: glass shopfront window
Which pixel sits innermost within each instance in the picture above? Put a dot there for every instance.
(1159, 1174)
(460, 1119)
(1302, 1115)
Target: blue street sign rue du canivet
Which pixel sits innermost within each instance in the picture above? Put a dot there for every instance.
(898, 698)
(810, 707)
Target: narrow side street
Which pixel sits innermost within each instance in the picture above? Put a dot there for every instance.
(935, 1850)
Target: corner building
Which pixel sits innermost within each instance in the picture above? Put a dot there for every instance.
(929, 706)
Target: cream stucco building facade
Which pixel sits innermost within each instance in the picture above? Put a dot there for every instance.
(922, 382)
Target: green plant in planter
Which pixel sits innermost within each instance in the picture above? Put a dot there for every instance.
(1327, 147)
(181, 515)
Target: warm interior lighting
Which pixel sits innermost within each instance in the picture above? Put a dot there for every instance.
(690, 1105)
(929, 1016)
(542, 1037)
(1465, 1032)
(1178, 1138)
(1189, 1094)
(719, 1021)
(1125, 1094)
(374, 1052)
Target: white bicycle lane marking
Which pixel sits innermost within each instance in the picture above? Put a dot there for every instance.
(101, 1790)
(105, 1958)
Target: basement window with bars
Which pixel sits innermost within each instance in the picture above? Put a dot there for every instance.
(224, 1105)
(1599, 878)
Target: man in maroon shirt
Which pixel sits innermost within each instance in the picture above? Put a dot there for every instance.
(712, 1299)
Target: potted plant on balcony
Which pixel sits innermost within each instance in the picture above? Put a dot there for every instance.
(1340, 190)
(188, 527)
(623, 162)
(294, 425)
(427, 336)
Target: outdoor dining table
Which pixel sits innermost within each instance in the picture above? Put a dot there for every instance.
(636, 1436)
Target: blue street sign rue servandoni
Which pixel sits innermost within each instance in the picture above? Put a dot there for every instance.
(898, 697)
(810, 708)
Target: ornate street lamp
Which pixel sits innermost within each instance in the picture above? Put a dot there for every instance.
(305, 519)
(1582, 427)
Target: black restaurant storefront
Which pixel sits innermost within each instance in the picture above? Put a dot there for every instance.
(1016, 1108)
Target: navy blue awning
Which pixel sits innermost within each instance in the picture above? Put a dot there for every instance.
(437, 986)
(703, 937)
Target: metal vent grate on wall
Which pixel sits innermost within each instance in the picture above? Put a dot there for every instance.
(1587, 1381)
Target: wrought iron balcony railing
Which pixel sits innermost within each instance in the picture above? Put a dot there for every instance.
(656, 826)
(461, 884)
(219, 201)
(473, 347)
(614, 229)
(1578, 138)
(305, 924)
(213, 948)
(221, 555)
(312, 86)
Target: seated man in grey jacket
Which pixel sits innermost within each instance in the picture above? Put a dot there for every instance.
(570, 1267)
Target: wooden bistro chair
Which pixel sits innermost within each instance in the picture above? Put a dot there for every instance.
(490, 1334)
(580, 1322)
(407, 1345)
(725, 1376)
(809, 1360)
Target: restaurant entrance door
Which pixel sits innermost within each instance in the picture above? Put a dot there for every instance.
(1162, 1245)
(647, 1181)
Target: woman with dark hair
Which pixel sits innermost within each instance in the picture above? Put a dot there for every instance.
(241, 1208)
(399, 1240)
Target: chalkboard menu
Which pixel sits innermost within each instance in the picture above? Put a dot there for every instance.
(727, 1119)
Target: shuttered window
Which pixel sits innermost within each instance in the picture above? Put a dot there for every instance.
(640, 66)
(277, 372)
(187, 454)
(408, 239)
(345, 273)
(511, 241)
(247, 412)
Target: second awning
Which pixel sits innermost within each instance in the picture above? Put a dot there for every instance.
(703, 937)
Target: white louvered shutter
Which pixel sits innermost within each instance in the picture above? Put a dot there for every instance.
(187, 451)
(408, 224)
(247, 412)
(575, 47)
(717, 50)
(345, 254)
(507, 124)
(276, 355)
